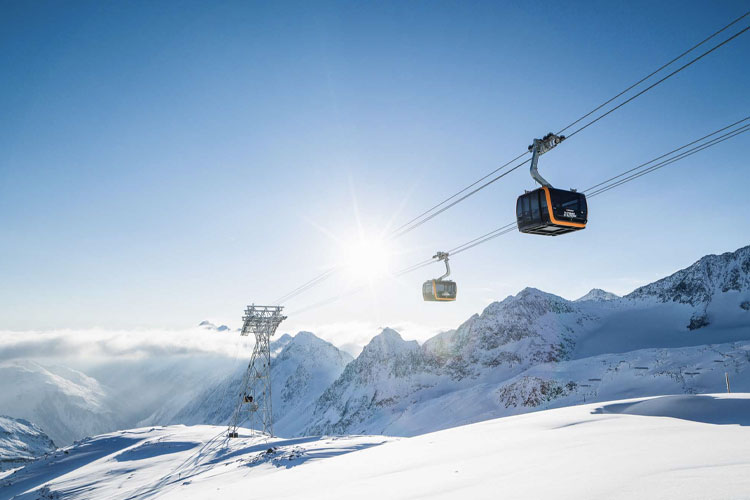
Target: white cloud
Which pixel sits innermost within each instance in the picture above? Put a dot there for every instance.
(96, 346)
(89, 347)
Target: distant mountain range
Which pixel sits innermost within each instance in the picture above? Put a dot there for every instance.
(210, 326)
(536, 350)
(530, 351)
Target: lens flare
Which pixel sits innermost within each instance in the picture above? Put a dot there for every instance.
(366, 258)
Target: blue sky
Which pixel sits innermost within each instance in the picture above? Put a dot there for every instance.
(166, 162)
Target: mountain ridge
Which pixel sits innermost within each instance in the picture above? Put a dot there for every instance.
(528, 351)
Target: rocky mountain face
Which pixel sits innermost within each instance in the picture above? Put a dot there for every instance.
(393, 378)
(536, 350)
(21, 442)
(701, 282)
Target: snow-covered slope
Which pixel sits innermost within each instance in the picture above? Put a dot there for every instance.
(21, 442)
(70, 405)
(65, 403)
(687, 447)
(302, 369)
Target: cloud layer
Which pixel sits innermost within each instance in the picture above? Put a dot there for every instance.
(98, 345)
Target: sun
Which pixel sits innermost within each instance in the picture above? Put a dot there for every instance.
(366, 258)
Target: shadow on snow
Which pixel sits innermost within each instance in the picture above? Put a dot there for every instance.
(705, 409)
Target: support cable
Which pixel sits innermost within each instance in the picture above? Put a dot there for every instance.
(654, 72)
(692, 61)
(685, 154)
(665, 154)
(434, 212)
(511, 227)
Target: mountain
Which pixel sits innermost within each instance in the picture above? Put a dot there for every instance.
(302, 368)
(210, 326)
(66, 403)
(598, 295)
(70, 405)
(536, 350)
(686, 446)
(21, 442)
(699, 284)
(527, 352)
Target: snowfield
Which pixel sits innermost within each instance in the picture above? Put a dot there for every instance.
(684, 446)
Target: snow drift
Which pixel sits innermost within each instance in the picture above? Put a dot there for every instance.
(688, 447)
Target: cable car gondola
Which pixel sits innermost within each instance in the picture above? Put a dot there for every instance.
(440, 289)
(549, 211)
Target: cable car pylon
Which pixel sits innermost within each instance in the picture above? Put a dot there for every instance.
(440, 289)
(549, 211)
(254, 396)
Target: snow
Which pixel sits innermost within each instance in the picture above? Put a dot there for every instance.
(302, 368)
(683, 446)
(536, 350)
(528, 352)
(20, 442)
(598, 295)
(65, 403)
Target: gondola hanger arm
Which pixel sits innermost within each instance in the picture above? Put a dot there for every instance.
(538, 148)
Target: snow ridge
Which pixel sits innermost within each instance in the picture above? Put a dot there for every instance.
(598, 295)
(700, 282)
(21, 442)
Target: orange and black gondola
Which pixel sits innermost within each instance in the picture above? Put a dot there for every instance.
(549, 211)
(440, 289)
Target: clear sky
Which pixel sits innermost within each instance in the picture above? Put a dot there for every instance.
(162, 163)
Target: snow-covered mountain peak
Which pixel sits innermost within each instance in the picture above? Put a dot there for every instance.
(210, 326)
(699, 283)
(388, 342)
(304, 337)
(308, 348)
(279, 344)
(529, 302)
(598, 295)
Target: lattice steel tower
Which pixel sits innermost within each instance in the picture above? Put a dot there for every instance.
(254, 399)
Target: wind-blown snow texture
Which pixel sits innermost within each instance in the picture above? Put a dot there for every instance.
(21, 442)
(527, 352)
(687, 447)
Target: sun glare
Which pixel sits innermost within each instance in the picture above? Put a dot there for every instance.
(366, 258)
